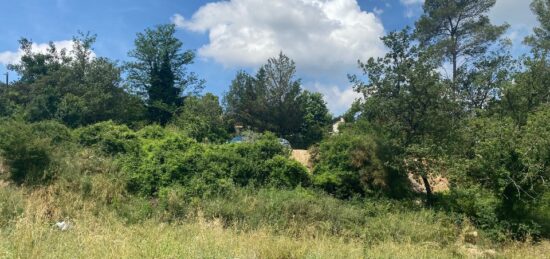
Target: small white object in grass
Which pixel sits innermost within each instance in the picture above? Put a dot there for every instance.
(63, 225)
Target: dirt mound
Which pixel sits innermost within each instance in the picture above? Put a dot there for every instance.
(438, 183)
(302, 156)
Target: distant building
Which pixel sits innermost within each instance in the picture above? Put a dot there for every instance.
(336, 125)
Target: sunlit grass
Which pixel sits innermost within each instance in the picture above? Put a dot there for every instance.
(98, 231)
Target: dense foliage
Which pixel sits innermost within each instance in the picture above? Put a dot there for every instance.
(159, 72)
(273, 100)
(142, 138)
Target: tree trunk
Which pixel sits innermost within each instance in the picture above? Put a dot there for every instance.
(429, 193)
(455, 67)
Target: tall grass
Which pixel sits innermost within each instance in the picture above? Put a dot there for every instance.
(249, 224)
(107, 222)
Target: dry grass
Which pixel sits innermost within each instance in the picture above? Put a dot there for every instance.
(98, 232)
(110, 238)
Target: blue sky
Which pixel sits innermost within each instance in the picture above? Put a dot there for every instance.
(325, 37)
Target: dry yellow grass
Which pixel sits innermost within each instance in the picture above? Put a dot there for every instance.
(94, 238)
(97, 232)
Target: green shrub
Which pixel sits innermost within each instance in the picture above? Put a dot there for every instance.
(479, 205)
(108, 137)
(58, 133)
(508, 164)
(261, 147)
(540, 213)
(167, 158)
(348, 165)
(286, 173)
(162, 162)
(27, 156)
(201, 118)
(534, 149)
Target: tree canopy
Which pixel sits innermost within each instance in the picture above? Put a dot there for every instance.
(274, 100)
(159, 72)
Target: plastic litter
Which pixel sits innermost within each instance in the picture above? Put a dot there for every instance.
(63, 225)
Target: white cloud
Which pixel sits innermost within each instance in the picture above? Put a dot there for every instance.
(338, 100)
(520, 17)
(412, 7)
(412, 2)
(178, 20)
(322, 36)
(514, 12)
(9, 57)
(517, 13)
(378, 11)
(14, 57)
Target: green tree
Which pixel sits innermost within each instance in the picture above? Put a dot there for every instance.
(409, 106)
(487, 78)
(273, 100)
(457, 30)
(509, 161)
(7, 105)
(283, 90)
(202, 118)
(315, 116)
(245, 103)
(34, 65)
(541, 34)
(74, 87)
(529, 90)
(159, 72)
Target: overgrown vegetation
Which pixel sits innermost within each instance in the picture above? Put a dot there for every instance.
(136, 152)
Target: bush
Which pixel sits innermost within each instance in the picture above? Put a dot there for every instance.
(540, 213)
(285, 173)
(58, 133)
(201, 118)
(27, 156)
(349, 165)
(108, 137)
(508, 164)
(166, 159)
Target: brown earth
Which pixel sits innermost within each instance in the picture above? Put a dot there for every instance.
(438, 183)
(303, 156)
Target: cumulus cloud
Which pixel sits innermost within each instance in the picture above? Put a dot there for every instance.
(322, 36)
(513, 12)
(412, 7)
(14, 57)
(412, 2)
(338, 100)
(178, 20)
(516, 13)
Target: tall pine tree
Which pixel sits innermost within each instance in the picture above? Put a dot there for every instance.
(159, 72)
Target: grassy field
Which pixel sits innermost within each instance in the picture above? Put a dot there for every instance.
(267, 224)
